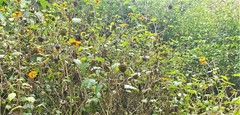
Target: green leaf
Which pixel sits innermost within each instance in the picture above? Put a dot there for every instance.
(44, 4)
(22, 99)
(94, 100)
(133, 8)
(85, 1)
(77, 62)
(8, 107)
(98, 90)
(24, 3)
(12, 96)
(129, 87)
(84, 68)
(126, 2)
(192, 91)
(84, 59)
(144, 100)
(236, 75)
(224, 77)
(76, 20)
(154, 19)
(16, 53)
(215, 108)
(4, 1)
(2, 17)
(125, 43)
(30, 99)
(87, 83)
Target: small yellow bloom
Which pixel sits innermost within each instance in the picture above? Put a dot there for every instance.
(165, 79)
(2, 9)
(141, 18)
(202, 60)
(74, 42)
(97, 1)
(40, 50)
(32, 74)
(165, 21)
(83, 33)
(28, 31)
(20, 35)
(124, 25)
(17, 15)
(64, 4)
(50, 71)
(170, 26)
(205, 87)
(130, 14)
(16, 1)
(54, 50)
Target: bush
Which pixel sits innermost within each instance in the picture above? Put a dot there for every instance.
(119, 57)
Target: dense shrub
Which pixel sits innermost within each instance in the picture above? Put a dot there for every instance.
(119, 57)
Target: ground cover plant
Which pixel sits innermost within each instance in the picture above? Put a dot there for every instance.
(116, 57)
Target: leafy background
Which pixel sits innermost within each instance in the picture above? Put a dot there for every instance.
(119, 57)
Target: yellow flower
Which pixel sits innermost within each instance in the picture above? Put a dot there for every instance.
(64, 4)
(130, 14)
(28, 31)
(2, 9)
(16, 1)
(32, 74)
(74, 42)
(202, 60)
(16, 15)
(96, 1)
(141, 18)
(165, 21)
(40, 50)
(83, 33)
(165, 79)
(123, 25)
(205, 87)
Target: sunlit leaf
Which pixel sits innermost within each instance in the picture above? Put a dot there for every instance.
(76, 20)
(129, 87)
(30, 99)
(77, 62)
(144, 100)
(12, 96)
(236, 75)
(94, 100)
(125, 43)
(44, 4)
(215, 108)
(17, 53)
(154, 19)
(224, 77)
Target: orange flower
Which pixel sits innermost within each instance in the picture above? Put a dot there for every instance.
(202, 60)
(165, 79)
(40, 50)
(17, 15)
(74, 42)
(32, 74)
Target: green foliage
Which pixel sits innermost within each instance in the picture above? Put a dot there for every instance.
(119, 57)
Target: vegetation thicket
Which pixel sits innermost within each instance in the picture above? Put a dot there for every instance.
(115, 57)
